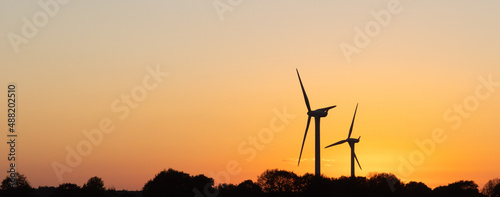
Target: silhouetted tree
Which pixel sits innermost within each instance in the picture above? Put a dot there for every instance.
(94, 187)
(45, 191)
(496, 191)
(305, 182)
(201, 182)
(67, 189)
(488, 187)
(459, 188)
(417, 189)
(278, 181)
(384, 184)
(246, 188)
(176, 183)
(226, 189)
(111, 192)
(310, 185)
(20, 182)
(249, 188)
(347, 186)
(20, 187)
(124, 193)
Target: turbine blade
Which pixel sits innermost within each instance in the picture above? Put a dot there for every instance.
(337, 143)
(328, 108)
(357, 161)
(304, 92)
(303, 141)
(352, 124)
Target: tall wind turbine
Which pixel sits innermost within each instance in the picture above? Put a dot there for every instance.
(317, 114)
(352, 142)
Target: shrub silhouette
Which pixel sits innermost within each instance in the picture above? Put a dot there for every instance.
(249, 187)
(270, 183)
(417, 189)
(496, 191)
(21, 187)
(246, 188)
(384, 184)
(175, 183)
(278, 181)
(94, 187)
(459, 188)
(488, 187)
(67, 189)
(310, 185)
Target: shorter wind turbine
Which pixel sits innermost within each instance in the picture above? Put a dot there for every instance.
(352, 142)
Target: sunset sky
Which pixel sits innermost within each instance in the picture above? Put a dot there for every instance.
(424, 72)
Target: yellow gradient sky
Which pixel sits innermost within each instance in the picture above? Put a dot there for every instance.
(229, 78)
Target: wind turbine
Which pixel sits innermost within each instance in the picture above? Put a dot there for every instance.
(317, 114)
(352, 142)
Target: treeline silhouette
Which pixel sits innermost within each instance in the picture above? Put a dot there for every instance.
(270, 183)
(93, 188)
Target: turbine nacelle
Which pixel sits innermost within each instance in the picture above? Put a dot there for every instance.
(353, 140)
(323, 112)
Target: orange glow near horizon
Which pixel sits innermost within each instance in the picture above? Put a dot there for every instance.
(230, 82)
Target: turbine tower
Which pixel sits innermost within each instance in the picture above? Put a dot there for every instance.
(317, 114)
(352, 142)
